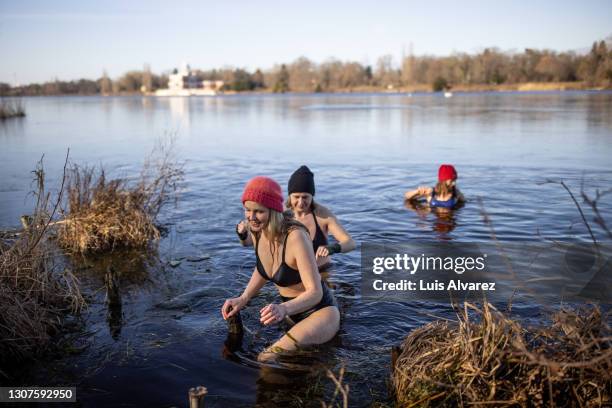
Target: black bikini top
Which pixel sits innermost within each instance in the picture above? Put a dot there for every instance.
(285, 275)
(319, 239)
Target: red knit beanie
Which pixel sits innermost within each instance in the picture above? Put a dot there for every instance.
(265, 191)
(447, 172)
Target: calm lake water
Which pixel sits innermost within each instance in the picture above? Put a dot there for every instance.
(365, 151)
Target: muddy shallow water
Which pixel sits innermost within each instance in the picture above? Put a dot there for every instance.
(365, 151)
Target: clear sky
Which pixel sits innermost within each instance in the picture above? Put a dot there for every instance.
(43, 40)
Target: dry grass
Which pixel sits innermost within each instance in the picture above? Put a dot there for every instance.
(340, 390)
(105, 214)
(494, 361)
(36, 291)
(11, 109)
(34, 294)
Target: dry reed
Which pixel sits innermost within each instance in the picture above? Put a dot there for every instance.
(105, 214)
(493, 361)
(35, 294)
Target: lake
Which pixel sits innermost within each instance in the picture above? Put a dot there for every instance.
(366, 150)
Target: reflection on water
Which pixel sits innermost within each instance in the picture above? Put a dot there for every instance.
(155, 328)
(444, 220)
(113, 302)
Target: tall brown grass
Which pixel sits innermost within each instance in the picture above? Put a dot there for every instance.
(104, 214)
(35, 291)
(493, 361)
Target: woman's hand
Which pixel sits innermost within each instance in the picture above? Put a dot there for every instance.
(423, 190)
(232, 306)
(327, 250)
(242, 231)
(242, 227)
(272, 313)
(322, 252)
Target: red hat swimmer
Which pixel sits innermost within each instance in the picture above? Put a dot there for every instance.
(447, 172)
(265, 191)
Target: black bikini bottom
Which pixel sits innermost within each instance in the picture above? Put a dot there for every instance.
(326, 300)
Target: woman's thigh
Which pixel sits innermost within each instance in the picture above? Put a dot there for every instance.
(320, 327)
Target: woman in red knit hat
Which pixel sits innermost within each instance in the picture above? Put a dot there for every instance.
(284, 255)
(445, 194)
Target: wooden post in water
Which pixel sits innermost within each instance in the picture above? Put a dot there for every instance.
(196, 397)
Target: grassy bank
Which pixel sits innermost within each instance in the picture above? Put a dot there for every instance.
(36, 290)
(91, 214)
(488, 358)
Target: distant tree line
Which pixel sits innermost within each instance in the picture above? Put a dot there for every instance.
(130, 82)
(490, 67)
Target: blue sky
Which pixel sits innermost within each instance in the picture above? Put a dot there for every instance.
(43, 40)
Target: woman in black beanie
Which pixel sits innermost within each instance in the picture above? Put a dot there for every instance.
(319, 220)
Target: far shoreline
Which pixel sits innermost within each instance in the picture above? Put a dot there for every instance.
(527, 87)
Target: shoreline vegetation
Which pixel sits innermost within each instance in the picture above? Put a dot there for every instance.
(105, 214)
(486, 357)
(489, 70)
(39, 292)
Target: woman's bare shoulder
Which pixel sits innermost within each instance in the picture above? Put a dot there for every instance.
(323, 212)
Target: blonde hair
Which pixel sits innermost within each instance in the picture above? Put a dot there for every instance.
(443, 188)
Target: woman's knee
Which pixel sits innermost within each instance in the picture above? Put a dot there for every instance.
(318, 328)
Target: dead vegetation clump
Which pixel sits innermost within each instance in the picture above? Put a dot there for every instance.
(34, 294)
(104, 214)
(494, 361)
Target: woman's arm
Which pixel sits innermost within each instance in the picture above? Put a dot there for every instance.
(334, 228)
(337, 231)
(422, 191)
(232, 306)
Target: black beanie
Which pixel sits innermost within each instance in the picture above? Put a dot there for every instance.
(302, 181)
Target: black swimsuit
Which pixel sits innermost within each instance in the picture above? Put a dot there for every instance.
(287, 276)
(319, 239)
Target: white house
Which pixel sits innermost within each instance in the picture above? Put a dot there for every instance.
(184, 83)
